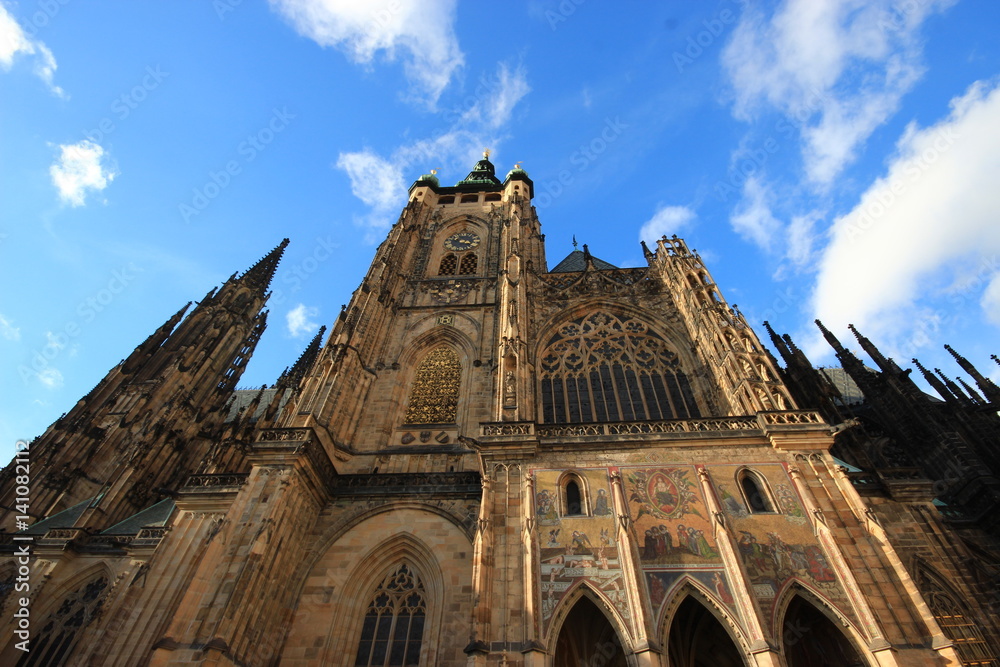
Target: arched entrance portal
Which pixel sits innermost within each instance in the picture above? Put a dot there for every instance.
(812, 640)
(587, 638)
(697, 639)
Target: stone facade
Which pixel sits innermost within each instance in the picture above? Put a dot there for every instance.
(486, 463)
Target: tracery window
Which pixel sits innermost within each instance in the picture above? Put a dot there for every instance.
(605, 368)
(393, 629)
(53, 643)
(434, 395)
(955, 623)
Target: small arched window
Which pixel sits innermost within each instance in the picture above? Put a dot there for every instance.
(574, 496)
(754, 492)
(448, 264)
(468, 265)
(574, 501)
(393, 629)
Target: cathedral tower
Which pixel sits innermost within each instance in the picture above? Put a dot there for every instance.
(149, 422)
(485, 462)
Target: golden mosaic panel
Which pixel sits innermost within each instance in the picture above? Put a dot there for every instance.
(434, 396)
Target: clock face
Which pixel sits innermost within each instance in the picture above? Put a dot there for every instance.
(461, 241)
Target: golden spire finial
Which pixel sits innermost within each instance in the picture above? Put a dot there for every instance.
(434, 172)
(517, 165)
(486, 153)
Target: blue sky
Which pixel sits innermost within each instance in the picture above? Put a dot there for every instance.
(837, 159)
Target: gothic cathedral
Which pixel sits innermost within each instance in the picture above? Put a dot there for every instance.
(490, 462)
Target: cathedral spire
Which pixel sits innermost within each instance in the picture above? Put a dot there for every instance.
(954, 388)
(155, 340)
(260, 274)
(886, 364)
(646, 252)
(301, 367)
(779, 344)
(975, 395)
(935, 382)
(831, 339)
(990, 390)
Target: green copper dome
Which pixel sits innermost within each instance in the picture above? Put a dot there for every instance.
(484, 173)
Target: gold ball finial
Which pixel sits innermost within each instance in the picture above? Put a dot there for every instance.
(486, 153)
(434, 172)
(517, 165)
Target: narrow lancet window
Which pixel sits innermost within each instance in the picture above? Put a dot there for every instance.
(753, 492)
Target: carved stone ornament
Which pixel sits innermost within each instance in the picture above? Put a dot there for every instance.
(451, 291)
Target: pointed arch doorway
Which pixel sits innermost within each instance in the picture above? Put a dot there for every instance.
(697, 639)
(811, 639)
(588, 638)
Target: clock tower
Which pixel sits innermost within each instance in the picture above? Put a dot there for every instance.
(432, 342)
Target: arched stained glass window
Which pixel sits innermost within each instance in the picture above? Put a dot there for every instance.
(59, 632)
(606, 368)
(956, 622)
(393, 629)
(434, 396)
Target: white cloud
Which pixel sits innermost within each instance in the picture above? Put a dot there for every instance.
(300, 322)
(380, 182)
(802, 238)
(930, 217)
(374, 181)
(8, 330)
(753, 219)
(668, 220)
(991, 300)
(55, 342)
(422, 31)
(836, 68)
(13, 41)
(51, 378)
(80, 169)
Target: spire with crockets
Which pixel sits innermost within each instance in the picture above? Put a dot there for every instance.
(260, 274)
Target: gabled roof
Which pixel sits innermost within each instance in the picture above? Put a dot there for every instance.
(63, 519)
(154, 515)
(576, 261)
